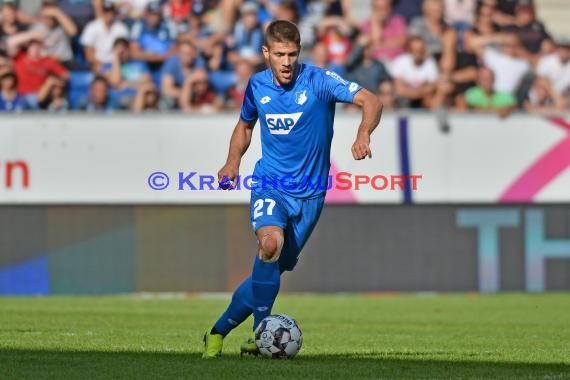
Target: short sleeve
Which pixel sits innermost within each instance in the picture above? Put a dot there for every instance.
(56, 68)
(474, 97)
(169, 67)
(432, 72)
(136, 31)
(331, 87)
(88, 36)
(248, 108)
(172, 31)
(122, 30)
(398, 67)
(491, 58)
(543, 68)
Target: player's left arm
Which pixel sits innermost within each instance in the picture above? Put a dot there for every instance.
(371, 114)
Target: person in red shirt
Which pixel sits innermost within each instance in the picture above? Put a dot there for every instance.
(33, 69)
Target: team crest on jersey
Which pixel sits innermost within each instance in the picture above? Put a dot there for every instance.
(282, 123)
(353, 86)
(265, 100)
(301, 97)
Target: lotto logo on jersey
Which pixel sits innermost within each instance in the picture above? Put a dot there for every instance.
(334, 75)
(282, 123)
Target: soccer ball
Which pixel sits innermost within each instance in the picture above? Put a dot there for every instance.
(278, 336)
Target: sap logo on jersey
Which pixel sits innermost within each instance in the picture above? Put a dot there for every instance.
(282, 123)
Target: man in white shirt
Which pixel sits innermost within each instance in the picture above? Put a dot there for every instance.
(507, 64)
(415, 74)
(99, 36)
(556, 67)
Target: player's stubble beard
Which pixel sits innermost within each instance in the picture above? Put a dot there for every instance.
(282, 78)
(283, 75)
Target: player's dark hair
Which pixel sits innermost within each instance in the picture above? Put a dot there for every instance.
(121, 41)
(282, 31)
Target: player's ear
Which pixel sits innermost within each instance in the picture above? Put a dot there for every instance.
(265, 51)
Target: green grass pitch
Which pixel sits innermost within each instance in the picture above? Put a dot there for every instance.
(513, 336)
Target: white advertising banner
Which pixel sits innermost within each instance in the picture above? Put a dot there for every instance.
(173, 159)
(118, 159)
(484, 159)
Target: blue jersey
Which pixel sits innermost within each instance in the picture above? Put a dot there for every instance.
(296, 127)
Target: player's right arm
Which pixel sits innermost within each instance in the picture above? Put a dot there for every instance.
(241, 138)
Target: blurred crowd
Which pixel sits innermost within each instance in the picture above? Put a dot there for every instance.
(197, 55)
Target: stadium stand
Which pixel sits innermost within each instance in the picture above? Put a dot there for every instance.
(352, 37)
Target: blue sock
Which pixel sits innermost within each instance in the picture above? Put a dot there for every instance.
(239, 309)
(265, 285)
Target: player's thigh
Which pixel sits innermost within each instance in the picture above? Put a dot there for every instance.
(299, 230)
(267, 209)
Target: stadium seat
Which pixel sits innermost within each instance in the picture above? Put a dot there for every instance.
(221, 81)
(79, 88)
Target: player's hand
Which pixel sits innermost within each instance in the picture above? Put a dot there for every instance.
(227, 177)
(361, 147)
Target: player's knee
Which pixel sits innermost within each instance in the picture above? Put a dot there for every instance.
(271, 246)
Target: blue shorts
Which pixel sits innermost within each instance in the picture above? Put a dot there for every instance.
(297, 218)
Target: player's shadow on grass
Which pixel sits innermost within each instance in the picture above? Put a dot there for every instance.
(36, 364)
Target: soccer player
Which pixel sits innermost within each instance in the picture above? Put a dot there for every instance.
(295, 105)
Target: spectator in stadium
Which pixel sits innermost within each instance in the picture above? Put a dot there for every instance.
(178, 10)
(286, 10)
(387, 31)
(484, 97)
(130, 11)
(10, 23)
(529, 30)
(99, 99)
(177, 68)
(247, 37)
(99, 36)
(460, 14)
(340, 8)
(5, 62)
(507, 64)
(334, 34)
(319, 57)
(542, 97)
(387, 95)
(31, 67)
(124, 74)
(441, 40)
(58, 30)
(484, 32)
(81, 11)
(408, 9)
(147, 99)
(10, 99)
(243, 71)
(52, 96)
(504, 10)
(153, 37)
(197, 94)
(207, 40)
(362, 68)
(31, 7)
(460, 79)
(415, 75)
(124, 71)
(556, 67)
